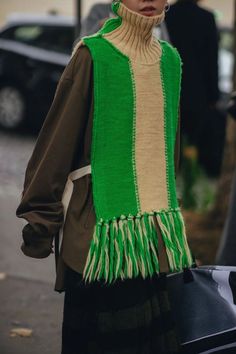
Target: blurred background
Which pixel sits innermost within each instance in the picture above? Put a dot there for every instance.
(38, 36)
(224, 9)
(36, 41)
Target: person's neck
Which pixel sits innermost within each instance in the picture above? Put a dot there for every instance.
(134, 37)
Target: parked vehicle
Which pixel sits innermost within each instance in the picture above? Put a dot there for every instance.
(34, 51)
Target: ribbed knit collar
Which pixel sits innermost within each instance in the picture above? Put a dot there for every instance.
(134, 37)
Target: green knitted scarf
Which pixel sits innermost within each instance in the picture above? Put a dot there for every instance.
(125, 242)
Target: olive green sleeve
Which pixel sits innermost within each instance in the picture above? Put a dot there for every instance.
(60, 139)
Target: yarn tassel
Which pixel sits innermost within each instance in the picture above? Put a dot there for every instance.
(127, 247)
(188, 253)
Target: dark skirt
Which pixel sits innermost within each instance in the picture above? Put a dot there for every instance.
(127, 317)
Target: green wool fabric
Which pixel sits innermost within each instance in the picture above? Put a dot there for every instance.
(112, 148)
(125, 242)
(171, 79)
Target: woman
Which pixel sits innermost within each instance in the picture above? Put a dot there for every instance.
(103, 172)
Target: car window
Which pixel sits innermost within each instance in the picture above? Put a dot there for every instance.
(27, 34)
(56, 38)
(59, 39)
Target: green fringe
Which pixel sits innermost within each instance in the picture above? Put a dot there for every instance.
(127, 247)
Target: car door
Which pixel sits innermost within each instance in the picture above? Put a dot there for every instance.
(32, 58)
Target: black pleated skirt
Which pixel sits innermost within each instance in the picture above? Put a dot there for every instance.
(127, 317)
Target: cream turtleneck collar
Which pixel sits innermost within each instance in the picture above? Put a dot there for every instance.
(134, 37)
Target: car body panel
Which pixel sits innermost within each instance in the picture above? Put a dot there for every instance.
(29, 61)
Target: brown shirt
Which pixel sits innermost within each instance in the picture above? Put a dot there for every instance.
(64, 145)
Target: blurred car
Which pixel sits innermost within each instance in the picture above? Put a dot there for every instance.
(34, 51)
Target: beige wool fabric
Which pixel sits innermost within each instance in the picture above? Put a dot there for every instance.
(144, 52)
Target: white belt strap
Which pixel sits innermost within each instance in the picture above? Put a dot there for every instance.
(67, 194)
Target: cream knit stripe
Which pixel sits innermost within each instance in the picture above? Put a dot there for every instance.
(134, 37)
(150, 140)
(134, 137)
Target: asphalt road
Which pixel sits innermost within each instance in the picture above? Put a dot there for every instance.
(15, 152)
(27, 297)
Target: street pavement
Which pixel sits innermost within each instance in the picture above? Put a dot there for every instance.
(27, 297)
(31, 305)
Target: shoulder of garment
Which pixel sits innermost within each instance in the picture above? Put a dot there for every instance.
(79, 66)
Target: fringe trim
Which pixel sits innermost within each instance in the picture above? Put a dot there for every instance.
(126, 247)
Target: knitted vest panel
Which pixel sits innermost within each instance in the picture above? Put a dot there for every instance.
(125, 242)
(114, 182)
